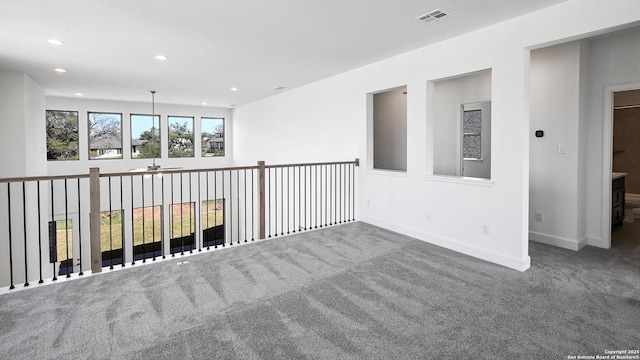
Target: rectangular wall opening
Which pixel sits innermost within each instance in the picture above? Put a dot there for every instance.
(461, 108)
(390, 129)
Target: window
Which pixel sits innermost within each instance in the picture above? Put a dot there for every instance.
(145, 137)
(472, 134)
(212, 136)
(105, 136)
(62, 135)
(180, 136)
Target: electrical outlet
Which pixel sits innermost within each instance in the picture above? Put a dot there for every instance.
(561, 149)
(429, 217)
(485, 229)
(539, 216)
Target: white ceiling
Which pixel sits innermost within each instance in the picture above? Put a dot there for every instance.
(214, 45)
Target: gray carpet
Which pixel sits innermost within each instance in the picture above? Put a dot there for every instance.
(347, 292)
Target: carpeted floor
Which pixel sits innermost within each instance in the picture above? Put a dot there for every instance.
(347, 292)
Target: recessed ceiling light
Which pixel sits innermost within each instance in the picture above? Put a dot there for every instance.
(60, 70)
(232, 105)
(161, 57)
(281, 88)
(204, 103)
(79, 94)
(55, 42)
(234, 89)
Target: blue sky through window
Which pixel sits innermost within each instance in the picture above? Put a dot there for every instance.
(209, 124)
(142, 123)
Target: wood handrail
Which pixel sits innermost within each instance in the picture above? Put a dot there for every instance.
(176, 171)
(313, 164)
(42, 178)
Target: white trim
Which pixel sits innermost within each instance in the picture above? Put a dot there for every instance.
(607, 159)
(480, 253)
(626, 107)
(593, 241)
(562, 242)
(383, 172)
(460, 180)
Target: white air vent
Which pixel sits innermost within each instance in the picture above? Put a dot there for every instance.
(435, 16)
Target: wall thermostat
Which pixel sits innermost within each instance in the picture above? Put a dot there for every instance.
(539, 133)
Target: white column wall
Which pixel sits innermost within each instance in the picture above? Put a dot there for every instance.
(23, 135)
(555, 109)
(23, 149)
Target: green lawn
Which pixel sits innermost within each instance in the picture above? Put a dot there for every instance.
(111, 236)
(178, 225)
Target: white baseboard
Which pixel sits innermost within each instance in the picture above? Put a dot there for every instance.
(565, 243)
(597, 242)
(484, 254)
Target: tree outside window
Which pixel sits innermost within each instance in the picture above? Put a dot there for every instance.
(180, 136)
(105, 136)
(212, 137)
(62, 135)
(145, 137)
(472, 134)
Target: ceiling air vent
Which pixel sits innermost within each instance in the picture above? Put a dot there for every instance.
(435, 16)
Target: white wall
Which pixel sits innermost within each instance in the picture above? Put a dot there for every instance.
(448, 97)
(555, 178)
(307, 124)
(302, 119)
(127, 108)
(390, 130)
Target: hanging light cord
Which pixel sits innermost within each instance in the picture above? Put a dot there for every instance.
(153, 130)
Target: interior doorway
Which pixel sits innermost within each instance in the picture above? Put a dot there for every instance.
(625, 165)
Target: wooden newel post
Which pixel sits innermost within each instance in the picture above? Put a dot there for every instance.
(261, 201)
(94, 220)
